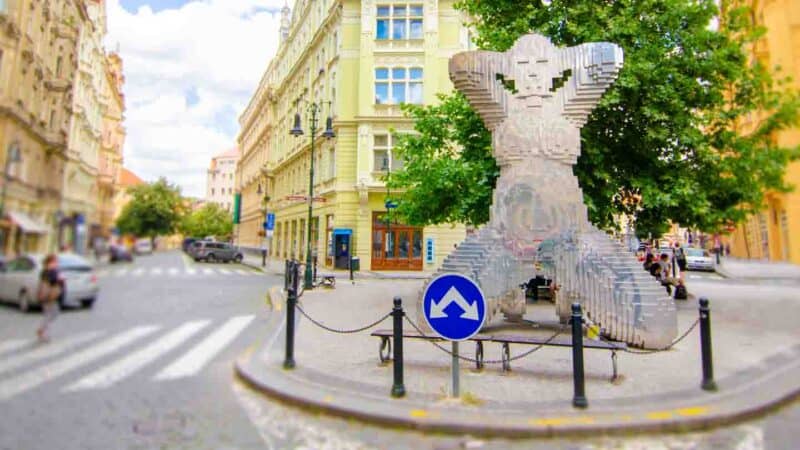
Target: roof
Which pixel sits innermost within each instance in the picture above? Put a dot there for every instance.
(230, 153)
(128, 178)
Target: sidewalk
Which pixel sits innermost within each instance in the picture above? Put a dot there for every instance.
(756, 365)
(758, 270)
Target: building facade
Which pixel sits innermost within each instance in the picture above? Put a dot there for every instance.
(80, 221)
(38, 57)
(127, 180)
(110, 160)
(774, 233)
(221, 179)
(357, 60)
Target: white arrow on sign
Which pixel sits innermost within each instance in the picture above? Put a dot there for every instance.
(470, 310)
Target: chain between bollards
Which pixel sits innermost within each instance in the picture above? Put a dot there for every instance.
(708, 383)
(398, 387)
(579, 399)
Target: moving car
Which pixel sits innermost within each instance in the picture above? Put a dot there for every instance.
(143, 246)
(119, 253)
(187, 244)
(19, 280)
(699, 259)
(215, 251)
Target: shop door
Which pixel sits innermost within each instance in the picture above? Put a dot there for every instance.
(395, 246)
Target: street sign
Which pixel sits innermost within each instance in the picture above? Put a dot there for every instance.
(390, 204)
(454, 307)
(269, 224)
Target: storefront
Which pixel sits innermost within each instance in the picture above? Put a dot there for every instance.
(395, 246)
(22, 233)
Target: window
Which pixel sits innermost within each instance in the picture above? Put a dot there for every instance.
(212, 192)
(331, 163)
(383, 160)
(398, 85)
(399, 21)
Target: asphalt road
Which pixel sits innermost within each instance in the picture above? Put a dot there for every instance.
(151, 367)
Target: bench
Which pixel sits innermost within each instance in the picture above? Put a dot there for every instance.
(559, 341)
(385, 350)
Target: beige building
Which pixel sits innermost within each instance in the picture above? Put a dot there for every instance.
(110, 160)
(774, 233)
(221, 179)
(38, 52)
(80, 221)
(357, 60)
(127, 180)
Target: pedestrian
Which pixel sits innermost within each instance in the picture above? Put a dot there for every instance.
(648, 262)
(49, 290)
(727, 250)
(663, 273)
(680, 258)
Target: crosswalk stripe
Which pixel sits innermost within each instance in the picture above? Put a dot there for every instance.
(138, 272)
(190, 271)
(198, 357)
(46, 351)
(121, 272)
(32, 378)
(132, 363)
(173, 271)
(156, 271)
(224, 271)
(14, 344)
(208, 271)
(242, 272)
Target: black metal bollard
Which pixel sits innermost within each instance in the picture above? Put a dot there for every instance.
(708, 383)
(351, 270)
(398, 388)
(286, 275)
(579, 399)
(291, 302)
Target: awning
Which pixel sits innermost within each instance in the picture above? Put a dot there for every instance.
(28, 224)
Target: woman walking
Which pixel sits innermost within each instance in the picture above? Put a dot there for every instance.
(48, 293)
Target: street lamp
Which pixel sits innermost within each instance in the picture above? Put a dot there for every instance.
(314, 109)
(13, 155)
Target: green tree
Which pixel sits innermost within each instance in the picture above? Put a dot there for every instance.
(686, 134)
(210, 220)
(154, 209)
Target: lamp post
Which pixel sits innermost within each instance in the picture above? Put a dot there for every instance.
(12, 156)
(264, 200)
(314, 110)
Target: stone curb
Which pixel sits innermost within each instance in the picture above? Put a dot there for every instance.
(745, 395)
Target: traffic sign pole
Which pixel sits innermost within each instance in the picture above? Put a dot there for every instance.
(455, 371)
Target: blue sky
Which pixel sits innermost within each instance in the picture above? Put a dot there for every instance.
(156, 5)
(184, 87)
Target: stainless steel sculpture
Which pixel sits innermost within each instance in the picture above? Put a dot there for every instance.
(535, 98)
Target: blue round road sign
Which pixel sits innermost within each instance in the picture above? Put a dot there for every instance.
(454, 307)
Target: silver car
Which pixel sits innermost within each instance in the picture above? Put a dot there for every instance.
(699, 259)
(19, 280)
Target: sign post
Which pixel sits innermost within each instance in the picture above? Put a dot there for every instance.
(455, 309)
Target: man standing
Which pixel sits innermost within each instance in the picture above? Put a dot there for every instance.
(264, 252)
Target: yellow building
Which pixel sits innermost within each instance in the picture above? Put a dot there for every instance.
(38, 49)
(774, 233)
(110, 160)
(365, 58)
(80, 221)
(127, 180)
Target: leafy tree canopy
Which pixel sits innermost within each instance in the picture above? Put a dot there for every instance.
(210, 220)
(154, 209)
(686, 134)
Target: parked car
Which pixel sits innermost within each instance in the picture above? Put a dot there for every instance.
(216, 251)
(19, 281)
(699, 259)
(143, 246)
(119, 253)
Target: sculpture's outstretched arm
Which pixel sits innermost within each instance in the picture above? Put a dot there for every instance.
(475, 74)
(588, 70)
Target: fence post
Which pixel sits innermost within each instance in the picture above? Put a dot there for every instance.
(708, 383)
(398, 388)
(291, 301)
(579, 399)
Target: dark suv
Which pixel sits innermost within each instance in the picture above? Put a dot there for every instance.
(215, 251)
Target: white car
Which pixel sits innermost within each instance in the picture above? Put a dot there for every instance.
(19, 280)
(699, 259)
(143, 246)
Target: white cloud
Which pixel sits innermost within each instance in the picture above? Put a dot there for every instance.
(189, 74)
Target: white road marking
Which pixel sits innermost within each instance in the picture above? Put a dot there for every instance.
(198, 357)
(191, 271)
(242, 272)
(40, 375)
(14, 344)
(103, 272)
(45, 351)
(173, 271)
(224, 271)
(208, 271)
(138, 272)
(132, 363)
(120, 272)
(156, 271)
